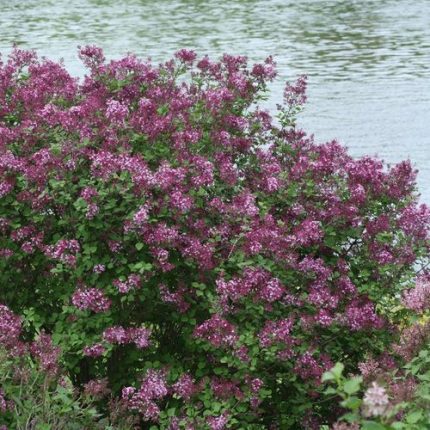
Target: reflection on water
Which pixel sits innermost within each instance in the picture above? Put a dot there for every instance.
(368, 60)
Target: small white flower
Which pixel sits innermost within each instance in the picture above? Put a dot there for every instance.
(375, 401)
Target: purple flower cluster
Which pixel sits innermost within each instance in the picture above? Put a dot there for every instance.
(257, 282)
(219, 422)
(176, 298)
(10, 327)
(225, 389)
(46, 353)
(116, 334)
(418, 298)
(119, 335)
(97, 388)
(309, 368)
(132, 282)
(217, 331)
(6, 405)
(64, 250)
(295, 94)
(42, 349)
(152, 388)
(412, 340)
(95, 350)
(360, 316)
(276, 332)
(185, 387)
(92, 299)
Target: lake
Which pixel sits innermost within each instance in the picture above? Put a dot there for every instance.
(368, 61)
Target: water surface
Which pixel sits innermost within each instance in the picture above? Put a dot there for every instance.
(368, 61)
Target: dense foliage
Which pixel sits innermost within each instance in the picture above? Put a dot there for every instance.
(384, 396)
(165, 241)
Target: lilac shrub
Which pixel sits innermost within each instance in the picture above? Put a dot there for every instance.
(173, 240)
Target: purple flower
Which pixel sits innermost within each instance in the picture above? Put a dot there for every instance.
(95, 350)
(132, 282)
(99, 268)
(140, 217)
(218, 423)
(276, 332)
(88, 193)
(3, 402)
(46, 353)
(361, 315)
(418, 298)
(153, 387)
(295, 94)
(185, 387)
(217, 331)
(97, 388)
(91, 55)
(92, 299)
(186, 55)
(10, 327)
(116, 334)
(116, 111)
(140, 336)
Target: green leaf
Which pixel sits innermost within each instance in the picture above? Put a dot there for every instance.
(216, 406)
(171, 412)
(414, 417)
(372, 425)
(330, 390)
(351, 417)
(351, 403)
(423, 354)
(327, 376)
(353, 385)
(334, 373)
(43, 427)
(139, 246)
(337, 370)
